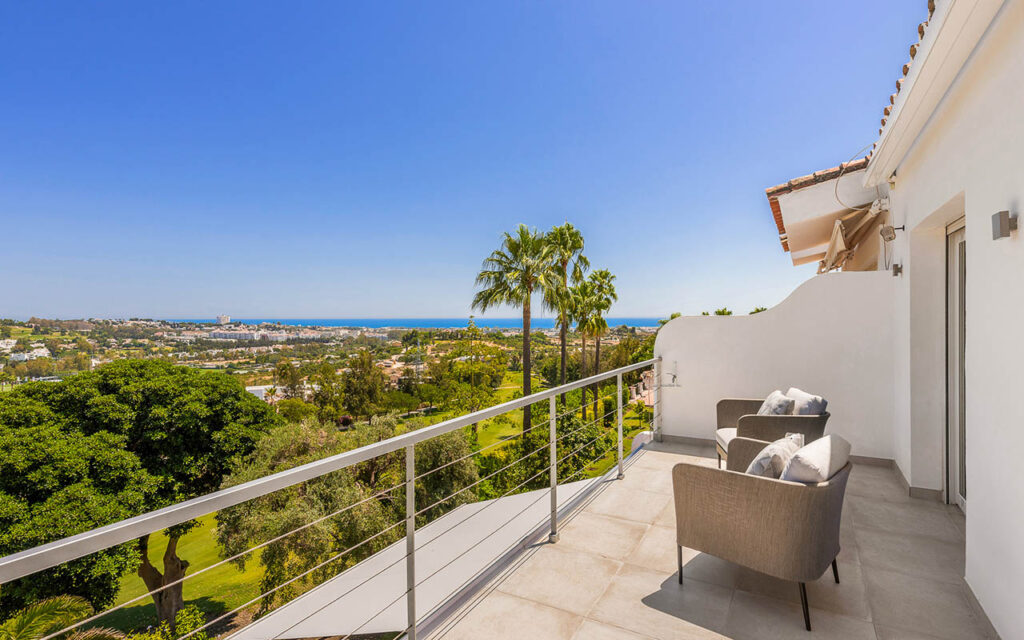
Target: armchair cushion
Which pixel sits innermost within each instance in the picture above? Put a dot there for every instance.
(818, 461)
(806, 404)
(725, 436)
(776, 404)
(772, 459)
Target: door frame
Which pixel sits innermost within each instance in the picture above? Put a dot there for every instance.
(952, 494)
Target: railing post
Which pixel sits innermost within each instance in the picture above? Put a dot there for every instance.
(618, 407)
(410, 539)
(656, 402)
(553, 456)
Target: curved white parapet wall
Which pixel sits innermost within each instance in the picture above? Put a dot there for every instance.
(832, 336)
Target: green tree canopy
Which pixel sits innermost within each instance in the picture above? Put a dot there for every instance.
(183, 427)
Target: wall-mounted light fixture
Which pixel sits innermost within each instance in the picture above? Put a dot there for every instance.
(1002, 224)
(888, 232)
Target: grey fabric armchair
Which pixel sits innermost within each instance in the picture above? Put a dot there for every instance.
(737, 417)
(785, 529)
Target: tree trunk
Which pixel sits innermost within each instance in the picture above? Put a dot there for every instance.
(169, 601)
(563, 337)
(583, 374)
(526, 362)
(597, 370)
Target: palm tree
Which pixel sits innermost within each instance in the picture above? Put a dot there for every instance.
(583, 298)
(51, 615)
(511, 275)
(567, 252)
(604, 297)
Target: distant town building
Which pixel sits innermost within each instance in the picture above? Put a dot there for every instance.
(39, 352)
(223, 319)
(236, 335)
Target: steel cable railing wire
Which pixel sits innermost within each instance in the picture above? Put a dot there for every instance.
(542, 496)
(500, 442)
(473, 577)
(580, 408)
(586, 467)
(220, 563)
(477, 452)
(493, 501)
(511, 464)
(487, 477)
(305, 573)
(426, 544)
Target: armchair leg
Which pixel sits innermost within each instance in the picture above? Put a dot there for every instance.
(719, 461)
(835, 571)
(803, 602)
(679, 555)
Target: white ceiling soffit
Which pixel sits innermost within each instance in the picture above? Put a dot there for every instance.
(952, 35)
(809, 214)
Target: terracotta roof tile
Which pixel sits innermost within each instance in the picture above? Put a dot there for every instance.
(921, 28)
(773, 193)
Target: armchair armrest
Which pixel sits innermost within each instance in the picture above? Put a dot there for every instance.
(731, 409)
(785, 529)
(770, 428)
(742, 451)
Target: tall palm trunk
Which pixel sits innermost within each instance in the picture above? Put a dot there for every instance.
(563, 335)
(583, 374)
(526, 363)
(597, 370)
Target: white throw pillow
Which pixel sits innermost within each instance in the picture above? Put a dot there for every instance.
(818, 461)
(806, 404)
(770, 462)
(776, 404)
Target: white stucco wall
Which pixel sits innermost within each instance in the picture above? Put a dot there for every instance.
(832, 336)
(969, 161)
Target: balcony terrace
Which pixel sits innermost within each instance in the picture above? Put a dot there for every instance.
(571, 556)
(612, 575)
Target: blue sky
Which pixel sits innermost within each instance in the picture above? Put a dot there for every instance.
(343, 159)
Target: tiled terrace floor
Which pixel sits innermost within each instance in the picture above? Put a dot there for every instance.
(612, 573)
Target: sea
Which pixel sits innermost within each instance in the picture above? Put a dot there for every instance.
(417, 323)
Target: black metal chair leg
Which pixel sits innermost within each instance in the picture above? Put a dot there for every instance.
(835, 571)
(679, 555)
(803, 602)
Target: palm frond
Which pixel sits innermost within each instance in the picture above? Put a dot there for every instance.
(44, 617)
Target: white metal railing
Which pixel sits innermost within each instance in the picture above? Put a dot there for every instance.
(30, 561)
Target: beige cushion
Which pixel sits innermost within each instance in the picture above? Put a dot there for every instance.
(724, 436)
(776, 404)
(806, 404)
(773, 458)
(818, 461)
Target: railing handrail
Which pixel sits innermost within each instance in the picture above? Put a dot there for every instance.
(45, 556)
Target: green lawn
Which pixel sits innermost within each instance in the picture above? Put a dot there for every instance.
(216, 591)
(511, 424)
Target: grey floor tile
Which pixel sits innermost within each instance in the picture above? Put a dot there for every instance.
(914, 517)
(562, 578)
(593, 630)
(635, 505)
(603, 535)
(756, 617)
(920, 556)
(501, 616)
(652, 603)
(848, 598)
(657, 550)
(899, 601)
